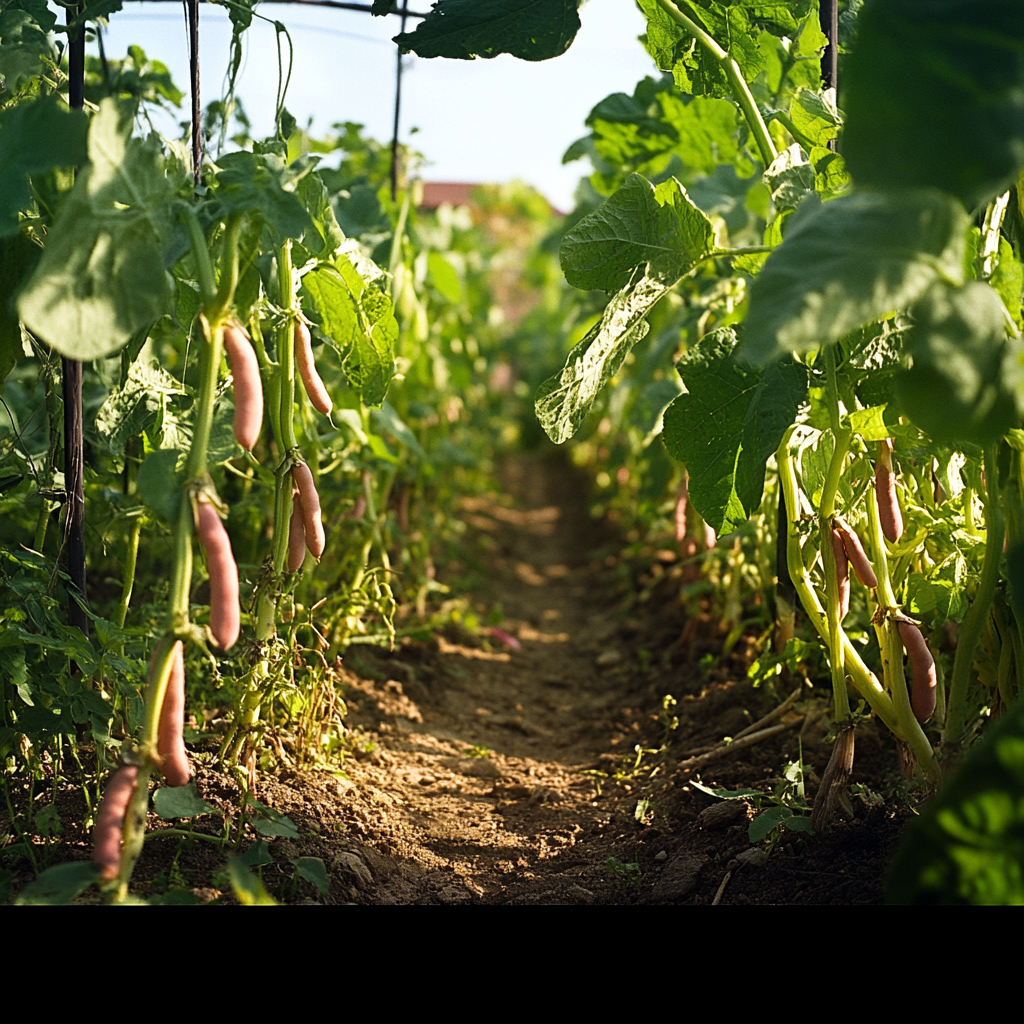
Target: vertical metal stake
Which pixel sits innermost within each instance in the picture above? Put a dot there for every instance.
(192, 13)
(828, 16)
(398, 104)
(74, 447)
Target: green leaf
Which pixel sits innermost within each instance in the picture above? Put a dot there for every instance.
(727, 425)
(845, 263)
(564, 399)
(258, 855)
(180, 802)
(790, 178)
(247, 182)
(869, 423)
(101, 277)
(312, 870)
(18, 258)
(766, 822)
(35, 137)
(386, 418)
(269, 822)
(934, 96)
(59, 885)
(248, 888)
(158, 484)
(814, 114)
(132, 409)
(1007, 279)
(325, 237)
(444, 277)
(965, 369)
(967, 845)
(638, 224)
(464, 29)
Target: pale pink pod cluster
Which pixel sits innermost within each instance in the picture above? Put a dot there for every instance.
(307, 500)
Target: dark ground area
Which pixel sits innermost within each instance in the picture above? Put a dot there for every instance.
(548, 774)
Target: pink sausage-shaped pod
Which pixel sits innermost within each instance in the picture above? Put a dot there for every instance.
(220, 562)
(855, 553)
(170, 742)
(310, 502)
(307, 371)
(842, 573)
(106, 836)
(245, 374)
(922, 671)
(889, 512)
(296, 536)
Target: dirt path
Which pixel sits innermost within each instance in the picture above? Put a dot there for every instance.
(540, 818)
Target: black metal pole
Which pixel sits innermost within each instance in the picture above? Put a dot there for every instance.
(192, 14)
(828, 15)
(74, 447)
(398, 106)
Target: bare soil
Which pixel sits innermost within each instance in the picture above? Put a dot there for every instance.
(542, 771)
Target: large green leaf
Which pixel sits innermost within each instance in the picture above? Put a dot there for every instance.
(529, 29)
(25, 43)
(967, 845)
(34, 137)
(565, 398)
(965, 370)
(934, 96)
(18, 257)
(844, 263)
(357, 315)
(727, 424)
(247, 182)
(101, 277)
(638, 224)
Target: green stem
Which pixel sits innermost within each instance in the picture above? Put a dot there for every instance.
(974, 621)
(129, 571)
(741, 91)
(863, 678)
(201, 255)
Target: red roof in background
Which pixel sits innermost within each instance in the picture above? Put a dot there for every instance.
(437, 192)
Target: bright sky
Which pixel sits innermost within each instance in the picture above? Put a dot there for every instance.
(480, 120)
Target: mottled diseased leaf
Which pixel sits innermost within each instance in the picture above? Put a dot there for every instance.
(934, 96)
(639, 224)
(35, 137)
(563, 400)
(965, 370)
(967, 845)
(845, 263)
(790, 177)
(464, 29)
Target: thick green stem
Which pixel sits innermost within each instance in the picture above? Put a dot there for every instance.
(201, 255)
(129, 570)
(741, 91)
(974, 621)
(863, 678)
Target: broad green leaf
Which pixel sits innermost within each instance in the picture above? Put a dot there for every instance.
(727, 424)
(386, 418)
(101, 277)
(325, 237)
(869, 423)
(58, 886)
(26, 45)
(35, 137)
(312, 870)
(765, 822)
(563, 400)
(269, 822)
(158, 484)
(180, 802)
(934, 96)
(258, 855)
(1007, 279)
(967, 845)
(814, 114)
(965, 370)
(18, 257)
(845, 263)
(464, 29)
(831, 178)
(639, 224)
(247, 182)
